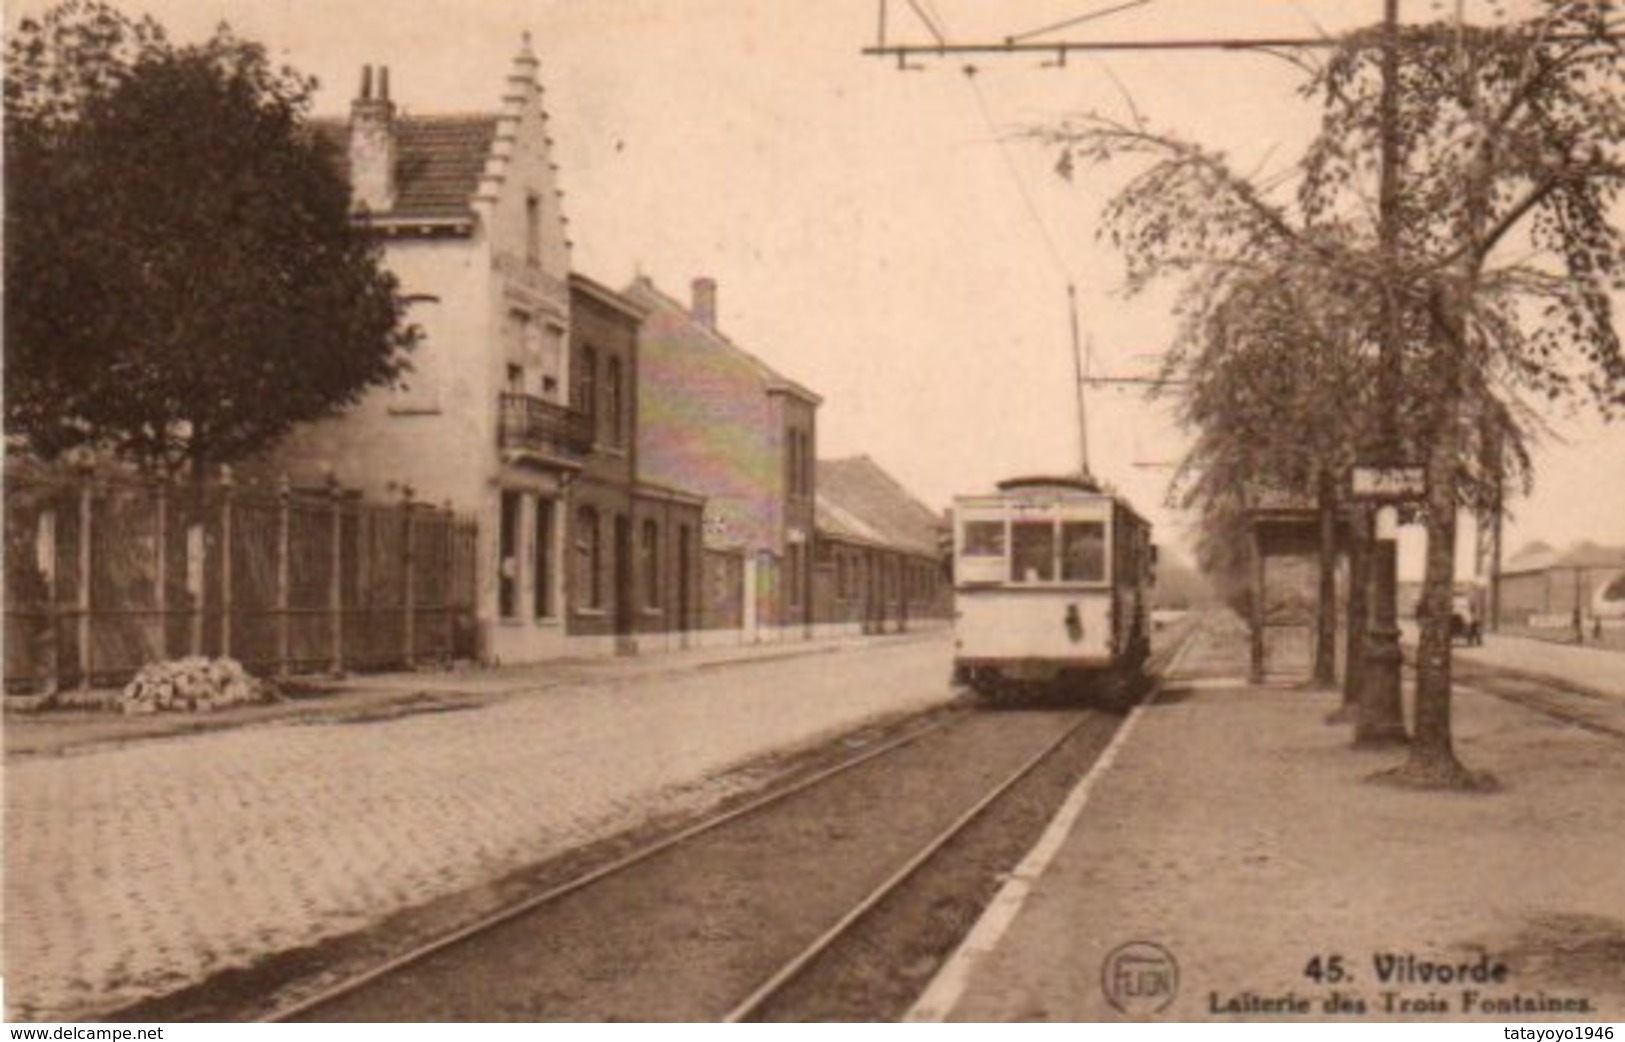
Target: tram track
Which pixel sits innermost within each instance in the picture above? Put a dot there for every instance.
(1551, 699)
(762, 901)
(873, 963)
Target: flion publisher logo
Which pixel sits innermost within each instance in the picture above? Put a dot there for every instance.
(1140, 978)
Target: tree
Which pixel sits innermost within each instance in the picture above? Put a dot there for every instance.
(1511, 145)
(1508, 143)
(1276, 377)
(183, 280)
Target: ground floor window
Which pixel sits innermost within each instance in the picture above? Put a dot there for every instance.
(589, 557)
(542, 562)
(508, 556)
(649, 551)
(792, 565)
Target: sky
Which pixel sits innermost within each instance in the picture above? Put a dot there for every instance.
(885, 237)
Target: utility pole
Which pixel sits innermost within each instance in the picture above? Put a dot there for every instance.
(1077, 370)
(1381, 720)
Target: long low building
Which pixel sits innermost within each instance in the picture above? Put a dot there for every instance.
(1543, 587)
(879, 559)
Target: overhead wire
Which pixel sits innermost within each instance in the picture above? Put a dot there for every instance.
(1027, 200)
(1081, 364)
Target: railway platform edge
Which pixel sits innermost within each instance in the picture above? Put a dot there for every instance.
(1240, 837)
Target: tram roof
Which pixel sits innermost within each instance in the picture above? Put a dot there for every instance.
(1085, 483)
(1077, 483)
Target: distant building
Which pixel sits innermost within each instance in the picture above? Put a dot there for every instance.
(880, 552)
(1542, 587)
(715, 419)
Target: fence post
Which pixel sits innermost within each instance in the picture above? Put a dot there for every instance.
(197, 577)
(335, 589)
(408, 587)
(284, 493)
(160, 563)
(225, 561)
(86, 505)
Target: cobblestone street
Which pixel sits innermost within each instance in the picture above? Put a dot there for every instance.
(135, 870)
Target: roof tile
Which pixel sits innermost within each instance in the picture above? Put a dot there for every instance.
(438, 162)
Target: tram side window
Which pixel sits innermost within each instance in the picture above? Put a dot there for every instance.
(1083, 551)
(1032, 557)
(984, 538)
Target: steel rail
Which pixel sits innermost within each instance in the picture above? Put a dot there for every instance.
(1476, 684)
(506, 914)
(792, 969)
(1544, 709)
(765, 992)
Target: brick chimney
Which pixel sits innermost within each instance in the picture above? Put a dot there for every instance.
(704, 308)
(372, 145)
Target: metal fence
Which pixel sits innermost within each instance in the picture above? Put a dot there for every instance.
(105, 575)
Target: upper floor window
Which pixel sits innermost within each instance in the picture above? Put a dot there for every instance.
(586, 378)
(533, 229)
(419, 390)
(798, 478)
(614, 403)
(550, 349)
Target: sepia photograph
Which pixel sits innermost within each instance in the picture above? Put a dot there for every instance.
(868, 511)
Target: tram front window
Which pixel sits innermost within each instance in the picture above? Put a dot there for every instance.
(1032, 556)
(1083, 551)
(984, 538)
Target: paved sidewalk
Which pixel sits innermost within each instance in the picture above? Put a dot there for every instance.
(1240, 832)
(136, 868)
(319, 699)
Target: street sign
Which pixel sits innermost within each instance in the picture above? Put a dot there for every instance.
(1389, 484)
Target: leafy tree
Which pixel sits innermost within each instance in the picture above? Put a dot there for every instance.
(183, 280)
(1498, 282)
(1511, 143)
(1276, 376)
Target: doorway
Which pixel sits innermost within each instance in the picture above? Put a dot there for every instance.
(623, 585)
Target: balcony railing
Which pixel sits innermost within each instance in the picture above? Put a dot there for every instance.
(545, 429)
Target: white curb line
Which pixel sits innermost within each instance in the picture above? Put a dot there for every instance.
(946, 989)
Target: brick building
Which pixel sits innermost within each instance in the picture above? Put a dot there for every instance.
(632, 582)
(715, 419)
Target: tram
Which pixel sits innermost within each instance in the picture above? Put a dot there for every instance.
(1052, 587)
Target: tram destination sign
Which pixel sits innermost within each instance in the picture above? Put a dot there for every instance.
(1389, 484)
